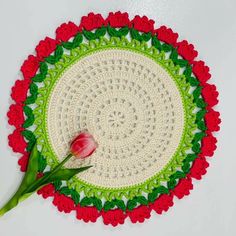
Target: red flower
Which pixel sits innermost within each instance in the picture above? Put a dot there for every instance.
(47, 191)
(92, 21)
(183, 188)
(23, 162)
(87, 213)
(19, 90)
(16, 141)
(212, 120)
(143, 24)
(162, 203)
(139, 214)
(187, 51)
(30, 67)
(63, 203)
(46, 47)
(201, 71)
(15, 115)
(66, 30)
(199, 168)
(113, 217)
(167, 35)
(118, 19)
(210, 94)
(83, 145)
(208, 145)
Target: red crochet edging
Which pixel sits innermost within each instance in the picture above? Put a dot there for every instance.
(93, 21)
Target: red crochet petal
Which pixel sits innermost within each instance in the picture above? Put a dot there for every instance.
(201, 71)
(47, 191)
(16, 141)
(212, 120)
(87, 213)
(46, 47)
(30, 67)
(183, 188)
(63, 203)
(167, 35)
(139, 214)
(113, 217)
(143, 24)
(210, 95)
(67, 30)
(118, 19)
(198, 168)
(92, 21)
(23, 162)
(187, 51)
(19, 90)
(15, 115)
(208, 145)
(162, 203)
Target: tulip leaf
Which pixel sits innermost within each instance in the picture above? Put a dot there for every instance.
(51, 176)
(66, 174)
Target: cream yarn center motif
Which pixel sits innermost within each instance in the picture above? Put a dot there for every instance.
(130, 104)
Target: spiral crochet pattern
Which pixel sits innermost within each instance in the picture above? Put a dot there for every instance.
(143, 96)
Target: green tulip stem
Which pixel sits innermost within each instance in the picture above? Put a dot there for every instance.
(30, 184)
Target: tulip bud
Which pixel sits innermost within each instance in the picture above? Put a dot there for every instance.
(83, 145)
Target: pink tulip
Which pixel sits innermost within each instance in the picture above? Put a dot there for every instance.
(83, 145)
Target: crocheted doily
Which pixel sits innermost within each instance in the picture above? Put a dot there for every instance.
(140, 93)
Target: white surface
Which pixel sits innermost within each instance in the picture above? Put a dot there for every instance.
(211, 26)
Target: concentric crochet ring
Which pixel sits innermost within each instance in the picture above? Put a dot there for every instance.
(144, 97)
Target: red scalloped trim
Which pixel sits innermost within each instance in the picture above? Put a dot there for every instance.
(93, 21)
(118, 19)
(30, 67)
(143, 24)
(139, 214)
(19, 90)
(46, 47)
(187, 51)
(113, 217)
(167, 35)
(63, 203)
(16, 115)
(66, 30)
(16, 141)
(162, 203)
(87, 214)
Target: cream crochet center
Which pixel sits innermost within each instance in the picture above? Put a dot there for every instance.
(132, 107)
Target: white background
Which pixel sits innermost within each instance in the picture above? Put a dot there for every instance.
(211, 26)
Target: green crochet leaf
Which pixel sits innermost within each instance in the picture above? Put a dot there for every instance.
(75, 196)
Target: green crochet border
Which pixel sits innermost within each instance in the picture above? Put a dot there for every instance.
(66, 62)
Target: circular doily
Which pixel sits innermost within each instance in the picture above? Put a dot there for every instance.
(140, 93)
(131, 106)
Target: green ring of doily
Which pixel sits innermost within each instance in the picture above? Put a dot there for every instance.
(152, 53)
